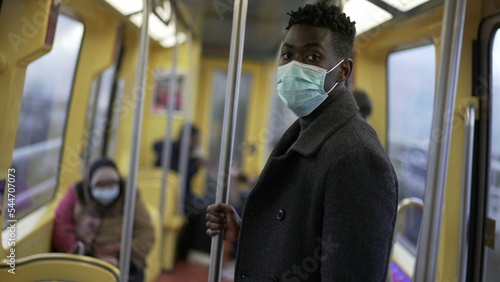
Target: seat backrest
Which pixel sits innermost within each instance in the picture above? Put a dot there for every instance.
(58, 267)
(149, 183)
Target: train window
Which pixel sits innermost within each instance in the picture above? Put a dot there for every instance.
(42, 119)
(493, 213)
(411, 80)
(115, 118)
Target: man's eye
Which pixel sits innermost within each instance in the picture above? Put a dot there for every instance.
(313, 57)
(286, 56)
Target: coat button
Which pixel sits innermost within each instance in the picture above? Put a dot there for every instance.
(280, 215)
(273, 278)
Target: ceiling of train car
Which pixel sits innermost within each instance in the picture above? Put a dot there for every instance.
(265, 26)
(266, 20)
(211, 20)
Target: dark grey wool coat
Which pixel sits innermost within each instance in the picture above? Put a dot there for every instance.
(324, 207)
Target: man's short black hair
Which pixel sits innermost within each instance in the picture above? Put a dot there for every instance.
(331, 17)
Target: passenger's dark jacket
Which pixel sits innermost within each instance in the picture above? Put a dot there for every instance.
(324, 207)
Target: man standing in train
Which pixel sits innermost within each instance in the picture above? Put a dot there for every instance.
(324, 206)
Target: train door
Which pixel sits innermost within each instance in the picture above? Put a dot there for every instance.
(219, 81)
(488, 242)
(218, 89)
(250, 99)
(104, 101)
(98, 114)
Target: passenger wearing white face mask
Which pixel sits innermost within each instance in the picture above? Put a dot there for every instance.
(89, 219)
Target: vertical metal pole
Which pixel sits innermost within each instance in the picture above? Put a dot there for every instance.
(186, 133)
(233, 86)
(186, 136)
(130, 192)
(167, 142)
(463, 247)
(183, 165)
(449, 62)
(186, 140)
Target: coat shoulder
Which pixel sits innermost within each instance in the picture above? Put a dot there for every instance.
(355, 135)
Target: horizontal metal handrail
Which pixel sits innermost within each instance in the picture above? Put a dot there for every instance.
(410, 202)
(404, 204)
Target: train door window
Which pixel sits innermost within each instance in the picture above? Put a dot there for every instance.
(219, 97)
(115, 118)
(42, 119)
(492, 250)
(98, 114)
(411, 80)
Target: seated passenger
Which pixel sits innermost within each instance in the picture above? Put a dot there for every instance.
(89, 219)
(194, 162)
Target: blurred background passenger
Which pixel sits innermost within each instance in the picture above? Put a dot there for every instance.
(364, 103)
(194, 163)
(89, 219)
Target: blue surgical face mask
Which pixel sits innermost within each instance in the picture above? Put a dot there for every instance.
(105, 195)
(301, 87)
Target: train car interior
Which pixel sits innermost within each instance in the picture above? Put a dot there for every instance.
(70, 92)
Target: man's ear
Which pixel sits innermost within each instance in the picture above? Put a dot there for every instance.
(345, 69)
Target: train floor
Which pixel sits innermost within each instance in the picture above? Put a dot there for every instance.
(186, 271)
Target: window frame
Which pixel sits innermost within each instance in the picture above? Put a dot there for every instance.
(54, 181)
(483, 68)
